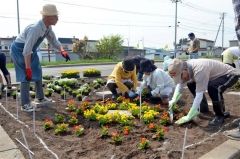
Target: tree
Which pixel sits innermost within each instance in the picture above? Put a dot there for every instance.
(182, 41)
(110, 46)
(79, 47)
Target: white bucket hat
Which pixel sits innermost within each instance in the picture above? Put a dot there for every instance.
(49, 10)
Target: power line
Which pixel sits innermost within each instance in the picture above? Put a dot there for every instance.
(199, 8)
(111, 10)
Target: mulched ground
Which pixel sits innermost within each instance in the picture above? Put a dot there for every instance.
(91, 146)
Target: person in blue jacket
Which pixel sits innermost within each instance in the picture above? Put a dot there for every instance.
(25, 58)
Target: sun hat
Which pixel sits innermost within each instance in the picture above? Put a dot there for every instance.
(175, 68)
(147, 66)
(49, 10)
(128, 64)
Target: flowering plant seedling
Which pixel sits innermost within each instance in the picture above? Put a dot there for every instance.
(164, 118)
(159, 135)
(90, 114)
(73, 119)
(61, 129)
(71, 105)
(116, 138)
(48, 124)
(104, 132)
(78, 130)
(152, 127)
(144, 143)
(126, 130)
(103, 119)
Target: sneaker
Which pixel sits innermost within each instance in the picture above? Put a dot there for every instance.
(217, 121)
(27, 108)
(45, 100)
(233, 134)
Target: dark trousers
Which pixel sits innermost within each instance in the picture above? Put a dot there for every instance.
(215, 90)
(113, 87)
(3, 66)
(204, 103)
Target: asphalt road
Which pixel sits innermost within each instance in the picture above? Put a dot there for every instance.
(56, 71)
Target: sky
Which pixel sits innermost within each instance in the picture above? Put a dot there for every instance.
(148, 23)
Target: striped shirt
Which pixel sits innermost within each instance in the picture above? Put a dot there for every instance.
(32, 33)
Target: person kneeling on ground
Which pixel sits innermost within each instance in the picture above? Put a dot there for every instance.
(159, 84)
(137, 60)
(124, 79)
(202, 75)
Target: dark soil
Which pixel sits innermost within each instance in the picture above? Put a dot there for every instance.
(91, 146)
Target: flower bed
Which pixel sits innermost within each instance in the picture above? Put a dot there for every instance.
(70, 74)
(91, 72)
(74, 129)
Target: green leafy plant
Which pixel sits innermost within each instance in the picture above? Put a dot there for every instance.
(104, 132)
(59, 118)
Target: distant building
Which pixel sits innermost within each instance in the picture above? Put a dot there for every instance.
(233, 43)
(206, 48)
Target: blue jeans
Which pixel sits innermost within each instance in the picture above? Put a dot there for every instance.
(25, 88)
(193, 55)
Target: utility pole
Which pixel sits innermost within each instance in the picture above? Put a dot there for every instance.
(48, 48)
(223, 14)
(175, 37)
(18, 20)
(219, 27)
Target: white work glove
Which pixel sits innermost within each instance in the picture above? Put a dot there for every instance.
(131, 94)
(153, 93)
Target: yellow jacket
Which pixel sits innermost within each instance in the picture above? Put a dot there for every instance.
(119, 74)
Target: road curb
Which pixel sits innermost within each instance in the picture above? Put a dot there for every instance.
(8, 149)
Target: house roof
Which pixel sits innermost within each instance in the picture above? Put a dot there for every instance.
(205, 40)
(66, 40)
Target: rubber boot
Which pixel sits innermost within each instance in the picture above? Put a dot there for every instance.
(113, 88)
(226, 114)
(129, 85)
(218, 108)
(204, 105)
(8, 80)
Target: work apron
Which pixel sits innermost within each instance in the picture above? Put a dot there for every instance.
(19, 63)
